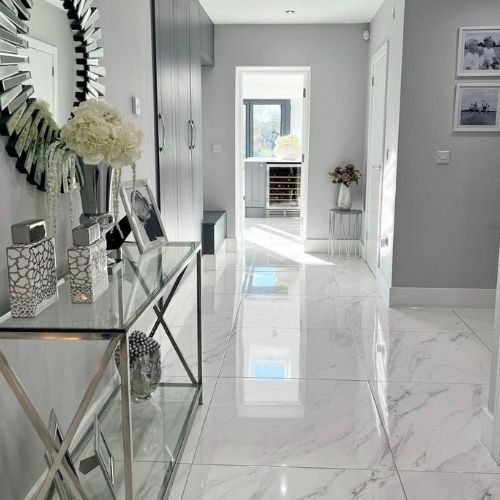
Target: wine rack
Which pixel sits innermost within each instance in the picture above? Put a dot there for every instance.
(284, 187)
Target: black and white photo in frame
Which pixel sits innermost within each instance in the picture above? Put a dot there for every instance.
(143, 214)
(476, 107)
(479, 51)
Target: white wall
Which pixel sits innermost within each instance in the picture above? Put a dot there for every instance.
(386, 28)
(338, 57)
(447, 217)
(57, 374)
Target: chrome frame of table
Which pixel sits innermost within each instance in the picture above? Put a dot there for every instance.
(345, 232)
(116, 339)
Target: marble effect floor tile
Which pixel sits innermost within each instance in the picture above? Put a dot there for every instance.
(179, 482)
(189, 450)
(215, 341)
(425, 357)
(435, 427)
(374, 315)
(252, 483)
(439, 486)
(294, 423)
(477, 319)
(300, 282)
(287, 354)
(277, 311)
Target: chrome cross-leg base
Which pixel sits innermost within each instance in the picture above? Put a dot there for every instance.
(57, 453)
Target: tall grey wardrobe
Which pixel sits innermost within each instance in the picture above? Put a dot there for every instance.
(184, 40)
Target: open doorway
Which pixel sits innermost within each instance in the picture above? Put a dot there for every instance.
(272, 149)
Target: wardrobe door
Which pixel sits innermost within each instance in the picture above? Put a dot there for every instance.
(183, 124)
(196, 117)
(165, 67)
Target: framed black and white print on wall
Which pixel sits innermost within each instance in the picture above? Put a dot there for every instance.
(479, 52)
(143, 215)
(477, 107)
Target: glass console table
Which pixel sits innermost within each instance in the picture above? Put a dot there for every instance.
(139, 435)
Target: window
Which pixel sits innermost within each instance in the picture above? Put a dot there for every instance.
(266, 120)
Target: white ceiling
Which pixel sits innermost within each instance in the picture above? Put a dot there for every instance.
(306, 11)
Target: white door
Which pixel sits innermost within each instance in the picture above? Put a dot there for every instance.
(376, 145)
(43, 67)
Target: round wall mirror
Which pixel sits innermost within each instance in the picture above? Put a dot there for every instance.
(49, 62)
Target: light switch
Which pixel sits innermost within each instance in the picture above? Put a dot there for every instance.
(443, 157)
(217, 148)
(136, 105)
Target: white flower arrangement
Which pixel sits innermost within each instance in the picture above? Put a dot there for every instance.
(287, 140)
(97, 133)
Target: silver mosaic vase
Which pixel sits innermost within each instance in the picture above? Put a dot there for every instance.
(95, 191)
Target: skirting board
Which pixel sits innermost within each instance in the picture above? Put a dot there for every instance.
(487, 423)
(321, 246)
(441, 297)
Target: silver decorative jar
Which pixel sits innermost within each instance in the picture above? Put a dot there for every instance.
(95, 191)
(145, 366)
(31, 264)
(87, 262)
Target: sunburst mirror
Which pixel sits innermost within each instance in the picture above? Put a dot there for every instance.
(49, 62)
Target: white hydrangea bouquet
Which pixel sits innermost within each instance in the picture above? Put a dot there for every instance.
(288, 147)
(97, 133)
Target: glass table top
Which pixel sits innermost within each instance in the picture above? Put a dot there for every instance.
(139, 282)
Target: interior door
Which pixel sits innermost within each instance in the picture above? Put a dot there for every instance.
(376, 156)
(43, 68)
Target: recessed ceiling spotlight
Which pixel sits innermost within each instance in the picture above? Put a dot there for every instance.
(289, 11)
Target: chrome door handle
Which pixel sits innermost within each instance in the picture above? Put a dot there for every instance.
(377, 167)
(164, 132)
(195, 134)
(192, 134)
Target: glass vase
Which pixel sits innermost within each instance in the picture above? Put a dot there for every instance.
(345, 198)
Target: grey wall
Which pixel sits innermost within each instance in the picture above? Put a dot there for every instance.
(338, 57)
(386, 28)
(57, 374)
(447, 218)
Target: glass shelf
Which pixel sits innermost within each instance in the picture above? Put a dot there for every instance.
(138, 283)
(159, 427)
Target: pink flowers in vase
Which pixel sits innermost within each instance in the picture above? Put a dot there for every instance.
(345, 175)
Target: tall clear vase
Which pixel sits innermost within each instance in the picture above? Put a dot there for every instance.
(345, 197)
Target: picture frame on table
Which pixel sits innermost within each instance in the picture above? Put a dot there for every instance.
(478, 52)
(143, 215)
(477, 107)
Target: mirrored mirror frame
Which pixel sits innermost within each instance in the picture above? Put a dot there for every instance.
(31, 128)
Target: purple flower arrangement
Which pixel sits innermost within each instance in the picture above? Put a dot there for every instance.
(345, 175)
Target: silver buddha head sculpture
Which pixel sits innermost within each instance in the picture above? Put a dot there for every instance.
(145, 366)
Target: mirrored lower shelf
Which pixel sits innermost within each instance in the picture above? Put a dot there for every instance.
(159, 428)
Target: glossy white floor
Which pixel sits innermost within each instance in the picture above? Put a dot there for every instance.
(316, 390)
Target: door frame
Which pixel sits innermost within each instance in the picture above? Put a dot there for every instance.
(240, 72)
(53, 51)
(381, 52)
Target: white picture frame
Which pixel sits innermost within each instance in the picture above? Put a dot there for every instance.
(480, 34)
(148, 233)
(471, 99)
